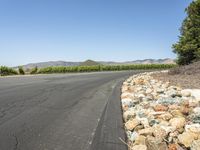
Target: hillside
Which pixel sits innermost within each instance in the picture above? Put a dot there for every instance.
(89, 63)
(185, 76)
(50, 63)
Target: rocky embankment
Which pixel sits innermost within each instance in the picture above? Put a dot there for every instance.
(158, 116)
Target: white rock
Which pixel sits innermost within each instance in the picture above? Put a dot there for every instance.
(194, 92)
(132, 135)
(139, 147)
(127, 102)
(195, 145)
(144, 121)
(160, 90)
(149, 91)
(141, 96)
(146, 131)
(186, 139)
(168, 129)
(193, 102)
(186, 93)
(196, 110)
(195, 128)
(157, 113)
(177, 122)
(127, 94)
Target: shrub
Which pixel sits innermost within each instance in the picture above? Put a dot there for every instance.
(4, 71)
(34, 70)
(21, 70)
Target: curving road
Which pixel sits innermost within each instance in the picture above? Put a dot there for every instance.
(62, 112)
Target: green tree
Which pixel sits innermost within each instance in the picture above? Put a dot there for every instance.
(21, 70)
(4, 71)
(34, 70)
(188, 46)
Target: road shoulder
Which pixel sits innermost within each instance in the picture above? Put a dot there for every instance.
(110, 128)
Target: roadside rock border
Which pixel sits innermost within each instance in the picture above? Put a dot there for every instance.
(159, 116)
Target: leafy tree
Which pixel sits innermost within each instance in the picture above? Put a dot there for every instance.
(34, 70)
(4, 71)
(21, 70)
(188, 46)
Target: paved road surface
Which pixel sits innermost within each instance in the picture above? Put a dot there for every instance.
(61, 112)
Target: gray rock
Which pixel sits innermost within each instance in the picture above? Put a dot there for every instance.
(195, 118)
(153, 122)
(169, 101)
(132, 135)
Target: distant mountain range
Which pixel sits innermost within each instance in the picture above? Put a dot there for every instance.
(91, 62)
(144, 61)
(50, 63)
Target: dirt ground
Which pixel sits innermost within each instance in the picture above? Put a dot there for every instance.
(184, 76)
(184, 81)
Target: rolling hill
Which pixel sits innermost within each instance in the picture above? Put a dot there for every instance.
(92, 62)
(89, 63)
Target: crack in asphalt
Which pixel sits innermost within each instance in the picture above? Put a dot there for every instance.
(17, 142)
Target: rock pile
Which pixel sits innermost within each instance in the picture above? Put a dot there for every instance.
(159, 116)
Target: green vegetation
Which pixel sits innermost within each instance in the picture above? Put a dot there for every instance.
(21, 70)
(62, 69)
(104, 68)
(188, 46)
(34, 70)
(4, 71)
(89, 63)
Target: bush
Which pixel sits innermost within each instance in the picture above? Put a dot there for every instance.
(21, 70)
(4, 71)
(34, 70)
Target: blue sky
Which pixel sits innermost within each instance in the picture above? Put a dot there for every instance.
(76, 30)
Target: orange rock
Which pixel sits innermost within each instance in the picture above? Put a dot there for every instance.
(173, 107)
(167, 116)
(173, 147)
(160, 108)
(131, 124)
(186, 103)
(140, 81)
(125, 108)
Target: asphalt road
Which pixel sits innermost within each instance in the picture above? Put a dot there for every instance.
(61, 112)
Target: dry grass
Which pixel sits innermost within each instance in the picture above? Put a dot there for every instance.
(184, 76)
(191, 69)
